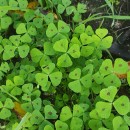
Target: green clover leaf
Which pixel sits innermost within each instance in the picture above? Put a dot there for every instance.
(27, 88)
(81, 8)
(95, 124)
(5, 22)
(104, 109)
(118, 123)
(51, 30)
(87, 51)
(38, 22)
(48, 48)
(36, 55)
(22, 4)
(49, 18)
(122, 105)
(37, 104)
(65, 114)
(23, 50)
(4, 67)
(75, 86)
(18, 80)
(8, 104)
(89, 31)
(76, 123)
(106, 67)
(9, 52)
(26, 38)
(74, 51)
(60, 8)
(21, 29)
(75, 74)
(77, 111)
(5, 113)
(112, 80)
(55, 78)
(101, 32)
(70, 10)
(120, 66)
(66, 3)
(61, 45)
(15, 39)
(32, 31)
(80, 29)
(29, 15)
(36, 117)
(42, 80)
(64, 61)
(61, 125)
(49, 68)
(63, 27)
(50, 112)
(109, 93)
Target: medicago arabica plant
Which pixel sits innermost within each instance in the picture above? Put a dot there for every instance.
(53, 76)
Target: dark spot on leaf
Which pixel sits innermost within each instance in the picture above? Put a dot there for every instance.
(108, 93)
(62, 27)
(60, 126)
(74, 51)
(112, 81)
(120, 65)
(76, 74)
(42, 79)
(122, 104)
(56, 78)
(50, 113)
(106, 67)
(51, 30)
(103, 109)
(36, 117)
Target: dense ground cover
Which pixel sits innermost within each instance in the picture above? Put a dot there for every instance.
(56, 70)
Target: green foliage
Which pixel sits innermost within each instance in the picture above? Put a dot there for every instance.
(52, 72)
